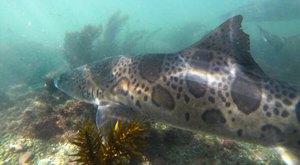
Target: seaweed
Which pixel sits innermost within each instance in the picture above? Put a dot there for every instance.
(79, 45)
(108, 45)
(94, 42)
(88, 140)
(123, 143)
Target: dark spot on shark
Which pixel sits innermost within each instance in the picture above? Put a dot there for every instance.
(133, 81)
(295, 131)
(240, 132)
(168, 83)
(180, 89)
(227, 104)
(164, 78)
(176, 79)
(265, 107)
(137, 103)
(145, 98)
(196, 84)
(220, 94)
(246, 95)
(285, 113)
(275, 111)
(180, 81)
(297, 110)
(262, 136)
(286, 101)
(272, 133)
(186, 99)
(178, 96)
(292, 95)
(211, 99)
(227, 94)
(269, 114)
(213, 117)
(162, 98)
(173, 86)
(150, 66)
(187, 116)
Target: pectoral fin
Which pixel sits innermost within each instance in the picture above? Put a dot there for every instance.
(108, 112)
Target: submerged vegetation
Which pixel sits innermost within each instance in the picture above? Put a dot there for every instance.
(45, 118)
(94, 42)
(78, 45)
(119, 145)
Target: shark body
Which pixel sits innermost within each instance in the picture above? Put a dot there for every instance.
(213, 86)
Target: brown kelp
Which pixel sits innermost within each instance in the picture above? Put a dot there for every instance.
(122, 143)
(89, 142)
(108, 45)
(94, 42)
(79, 45)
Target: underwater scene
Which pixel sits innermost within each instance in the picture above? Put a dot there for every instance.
(150, 82)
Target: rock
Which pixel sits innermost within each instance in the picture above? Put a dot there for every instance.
(72, 163)
(44, 162)
(25, 158)
(230, 144)
(16, 148)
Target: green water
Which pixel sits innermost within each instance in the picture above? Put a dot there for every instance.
(32, 32)
(40, 39)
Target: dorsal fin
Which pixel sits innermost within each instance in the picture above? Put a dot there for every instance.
(230, 39)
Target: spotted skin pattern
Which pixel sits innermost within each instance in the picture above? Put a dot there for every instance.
(214, 86)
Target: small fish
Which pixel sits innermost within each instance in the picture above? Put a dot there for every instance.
(273, 40)
(279, 43)
(268, 10)
(213, 86)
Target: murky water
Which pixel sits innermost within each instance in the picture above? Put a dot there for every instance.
(40, 39)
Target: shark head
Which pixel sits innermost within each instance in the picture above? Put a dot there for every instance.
(74, 83)
(88, 82)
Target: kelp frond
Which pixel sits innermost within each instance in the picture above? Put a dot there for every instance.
(123, 142)
(88, 140)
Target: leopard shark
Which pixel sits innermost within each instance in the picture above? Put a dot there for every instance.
(213, 86)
